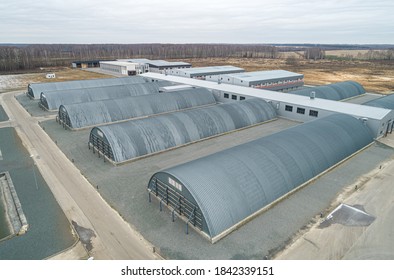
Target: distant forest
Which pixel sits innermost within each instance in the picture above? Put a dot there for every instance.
(21, 57)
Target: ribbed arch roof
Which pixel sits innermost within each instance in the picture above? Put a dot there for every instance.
(233, 184)
(35, 90)
(382, 102)
(113, 110)
(52, 100)
(337, 91)
(140, 137)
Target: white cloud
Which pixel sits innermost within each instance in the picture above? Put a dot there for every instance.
(253, 21)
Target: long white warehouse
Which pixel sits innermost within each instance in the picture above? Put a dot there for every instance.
(290, 106)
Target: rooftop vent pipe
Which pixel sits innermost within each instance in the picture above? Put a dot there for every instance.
(312, 95)
(364, 120)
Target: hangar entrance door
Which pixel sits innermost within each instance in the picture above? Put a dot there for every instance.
(389, 129)
(178, 203)
(64, 119)
(101, 146)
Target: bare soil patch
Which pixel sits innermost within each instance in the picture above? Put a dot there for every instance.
(375, 76)
(20, 81)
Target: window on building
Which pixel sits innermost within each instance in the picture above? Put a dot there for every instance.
(313, 113)
(233, 97)
(226, 95)
(300, 110)
(289, 108)
(242, 98)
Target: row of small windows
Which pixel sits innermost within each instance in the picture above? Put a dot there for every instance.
(233, 96)
(312, 113)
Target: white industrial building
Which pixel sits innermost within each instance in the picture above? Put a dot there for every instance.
(203, 73)
(121, 67)
(296, 107)
(162, 66)
(277, 80)
(156, 66)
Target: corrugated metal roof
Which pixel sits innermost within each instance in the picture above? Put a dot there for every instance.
(231, 185)
(112, 110)
(136, 60)
(140, 137)
(175, 88)
(212, 70)
(163, 63)
(35, 90)
(386, 102)
(118, 63)
(287, 98)
(157, 62)
(264, 75)
(336, 91)
(53, 99)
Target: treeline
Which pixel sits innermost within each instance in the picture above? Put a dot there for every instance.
(314, 53)
(327, 47)
(376, 55)
(27, 57)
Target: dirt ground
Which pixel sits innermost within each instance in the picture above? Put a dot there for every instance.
(375, 76)
(20, 81)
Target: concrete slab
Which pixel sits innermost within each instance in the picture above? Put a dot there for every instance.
(3, 115)
(124, 188)
(338, 241)
(360, 99)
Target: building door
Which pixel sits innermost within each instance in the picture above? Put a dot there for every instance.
(389, 128)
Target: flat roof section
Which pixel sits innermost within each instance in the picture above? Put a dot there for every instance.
(361, 99)
(163, 63)
(329, 105)
(118, 63)
(212, 70)
(136, 60)
(265, 75)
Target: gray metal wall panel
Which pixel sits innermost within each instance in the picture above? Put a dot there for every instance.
(235, 183)
(112, 110)
(36, 89)
(382, 102)
(140, 137)
(337, 91)
(54, 99)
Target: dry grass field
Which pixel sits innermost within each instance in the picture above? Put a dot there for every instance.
(20, 81)
(353, 53)
(375, 76)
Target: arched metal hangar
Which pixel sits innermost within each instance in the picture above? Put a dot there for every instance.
(51, 100)
(128, 140)
(34, 90)
(220, 192)
(87, 114)
(336, 91)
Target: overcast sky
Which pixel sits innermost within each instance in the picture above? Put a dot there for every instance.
(198, 21)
